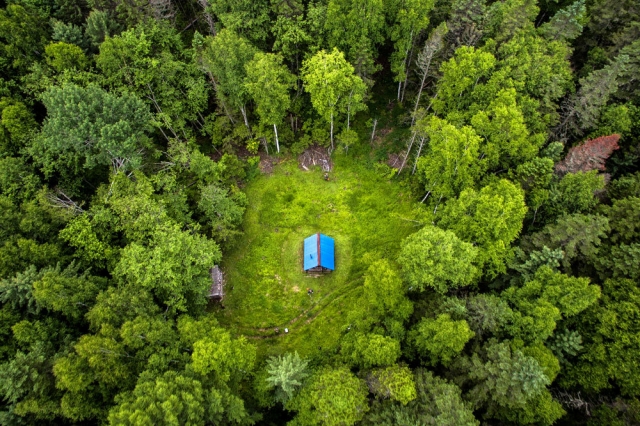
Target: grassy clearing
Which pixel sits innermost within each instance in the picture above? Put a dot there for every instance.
(266, 286)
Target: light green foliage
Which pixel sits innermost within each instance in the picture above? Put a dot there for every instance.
(539, 303)
(411, 18)
(615, 119)
(386, 300)
(545, 358)
(490, 219)
(150, 61)
(394, 382)
(356, 27)
(438, 402)
(437, 259)
(611, 339)
(567, 23)
(505, 377)
(331, 82)
(450, 164)
(225, 358)
(541, 73)
(225, 56)
(62, 56)
(507, 140)
(439, 340)
(222, 211)
(269, 83)
(578, 236)
(171, 399)
(66, 291)
(540, 410)
(369, 350)
(286, 375)
(89, 127)
(333, 396)
(81, 234)
(534, 177)
(459, 77)
(174, 266)
(117, 305)
(575, 193)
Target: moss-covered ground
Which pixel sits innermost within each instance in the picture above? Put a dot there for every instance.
(266, 285)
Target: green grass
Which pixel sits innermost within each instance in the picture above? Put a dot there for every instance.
(266, 286)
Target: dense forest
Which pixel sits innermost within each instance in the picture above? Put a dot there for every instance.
(477, 162)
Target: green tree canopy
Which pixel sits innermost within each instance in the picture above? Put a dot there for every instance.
(439, 340)
(90, 127)
(333, 396)
(437, 259)
(331, 82)
(490, 218)
(268, 83)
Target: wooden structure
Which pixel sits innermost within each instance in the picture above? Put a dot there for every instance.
(217, 283)
(319, 254)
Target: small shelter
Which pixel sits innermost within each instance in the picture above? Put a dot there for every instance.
(319, 254)
(217, 283)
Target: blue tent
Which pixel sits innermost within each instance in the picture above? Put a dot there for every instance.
(319, 252)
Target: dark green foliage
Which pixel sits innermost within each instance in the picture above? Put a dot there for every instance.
(90, 127)
(438, 402)
(440, 143)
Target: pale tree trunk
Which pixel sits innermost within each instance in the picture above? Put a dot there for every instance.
(415, 163)
(415, 107)
(332, 131)
(244, 116)
(275, 130)
(207, 17)
(399, 87)
(431, 47)
(373, 132)
(404, 161)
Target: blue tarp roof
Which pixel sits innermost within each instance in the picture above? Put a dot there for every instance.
(326, 256)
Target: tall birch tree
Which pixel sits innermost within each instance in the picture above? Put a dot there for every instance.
(329, 79)
(268, 83)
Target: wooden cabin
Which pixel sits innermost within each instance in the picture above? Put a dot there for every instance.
(217, 283)
(319, 254)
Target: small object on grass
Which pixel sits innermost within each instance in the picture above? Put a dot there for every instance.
(286, 330)
(277, 330)
(326, 176)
